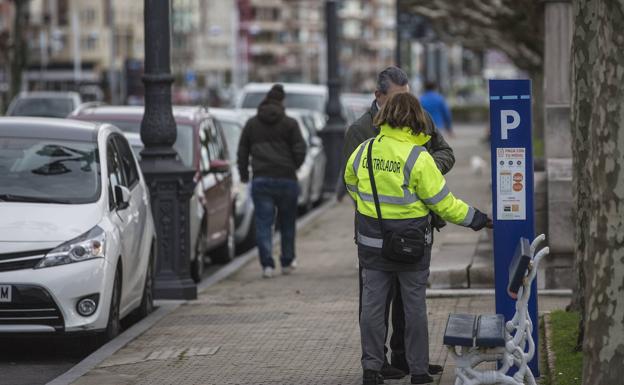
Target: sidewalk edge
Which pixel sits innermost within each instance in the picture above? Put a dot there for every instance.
(111, 347)
(450, 293)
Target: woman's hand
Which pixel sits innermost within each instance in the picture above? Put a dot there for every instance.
(480, 221)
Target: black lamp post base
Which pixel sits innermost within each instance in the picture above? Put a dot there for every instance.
(171, 187)
(333, 142)
(175, 288)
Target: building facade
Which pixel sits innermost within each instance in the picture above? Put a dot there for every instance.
(79, 43)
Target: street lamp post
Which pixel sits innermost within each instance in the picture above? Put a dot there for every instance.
(333, 133)
(170, 182)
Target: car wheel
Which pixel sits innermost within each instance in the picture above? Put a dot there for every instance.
(226, 252)
(113, 326)
(147, 300)
(197, 264)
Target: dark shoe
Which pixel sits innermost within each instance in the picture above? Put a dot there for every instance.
(391, 373)
(399, 362)
(372, 377)
(421, 379)
(435, 369)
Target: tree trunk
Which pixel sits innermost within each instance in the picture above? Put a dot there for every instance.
(598, 149)
(19, 49)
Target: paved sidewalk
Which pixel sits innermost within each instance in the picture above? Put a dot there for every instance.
(297, 329)
(302, 328)
(461, 258)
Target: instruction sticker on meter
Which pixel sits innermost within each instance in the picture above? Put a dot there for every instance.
(511, 178)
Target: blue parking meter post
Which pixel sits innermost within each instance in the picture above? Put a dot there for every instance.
(512, 187)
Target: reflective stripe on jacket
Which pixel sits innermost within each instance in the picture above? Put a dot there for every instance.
(409, 183)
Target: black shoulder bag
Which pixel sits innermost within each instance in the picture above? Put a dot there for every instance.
(406, 246)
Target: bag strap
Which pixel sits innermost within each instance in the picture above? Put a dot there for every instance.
(371, 176)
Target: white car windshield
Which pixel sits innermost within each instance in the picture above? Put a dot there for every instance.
(49, 171)
(42, 107)
(293, 100)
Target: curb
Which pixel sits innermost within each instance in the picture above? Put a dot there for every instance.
(550, 354)
(115, 344)
(452, 293)
(165, 307)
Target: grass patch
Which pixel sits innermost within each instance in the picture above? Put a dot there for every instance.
(568, 363)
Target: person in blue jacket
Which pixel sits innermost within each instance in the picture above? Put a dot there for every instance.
(435, 104)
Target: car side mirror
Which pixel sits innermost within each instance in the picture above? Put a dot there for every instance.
(122, 197)
(219, 166)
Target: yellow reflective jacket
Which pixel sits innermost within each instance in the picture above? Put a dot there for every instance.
(409, 183)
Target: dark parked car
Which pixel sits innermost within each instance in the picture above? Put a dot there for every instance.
(201, 144)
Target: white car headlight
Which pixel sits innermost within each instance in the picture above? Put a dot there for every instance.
(89, 245)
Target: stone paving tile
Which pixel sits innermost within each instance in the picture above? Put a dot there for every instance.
(296, 329)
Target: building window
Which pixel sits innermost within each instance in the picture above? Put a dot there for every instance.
(89, 43)
(88, 16)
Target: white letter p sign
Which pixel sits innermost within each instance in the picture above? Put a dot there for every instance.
(506, 125)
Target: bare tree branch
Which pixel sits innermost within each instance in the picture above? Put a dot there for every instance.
(513, 26)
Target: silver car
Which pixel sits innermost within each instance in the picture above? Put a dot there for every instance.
(311, 174)
(232, 122)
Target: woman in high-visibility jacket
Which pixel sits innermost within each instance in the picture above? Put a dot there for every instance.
(408, 187)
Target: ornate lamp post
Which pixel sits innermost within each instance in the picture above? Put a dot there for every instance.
(333, 133)
(170, 182)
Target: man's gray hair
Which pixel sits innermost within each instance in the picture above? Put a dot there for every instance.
(391, 75)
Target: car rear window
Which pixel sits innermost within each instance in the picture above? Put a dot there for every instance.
(49, 170)
(183, 144)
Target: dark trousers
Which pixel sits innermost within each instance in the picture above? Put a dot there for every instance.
(271, 195)
(397, 339)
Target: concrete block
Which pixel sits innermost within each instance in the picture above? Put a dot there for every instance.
(560, 206)
(540, 202)
(557, 138)
(557, 271)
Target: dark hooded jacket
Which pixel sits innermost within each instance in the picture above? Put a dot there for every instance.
(274, 142)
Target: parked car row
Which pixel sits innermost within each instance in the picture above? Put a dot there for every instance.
(77, 237)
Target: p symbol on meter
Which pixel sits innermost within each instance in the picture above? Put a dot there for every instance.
(507, 123)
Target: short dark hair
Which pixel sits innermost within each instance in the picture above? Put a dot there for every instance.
(393, 75)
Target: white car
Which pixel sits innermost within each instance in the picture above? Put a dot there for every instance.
(77, 238)
(52, 104)
(304, 96)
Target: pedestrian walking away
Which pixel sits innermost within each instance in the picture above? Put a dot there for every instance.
(396, 184)
(434, 103)
(390, 81)
(277, 149)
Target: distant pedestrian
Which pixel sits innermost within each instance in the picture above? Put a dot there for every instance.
(435, 104)
(277, 150)
(396, 184)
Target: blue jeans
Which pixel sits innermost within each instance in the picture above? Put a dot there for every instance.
(269, 195)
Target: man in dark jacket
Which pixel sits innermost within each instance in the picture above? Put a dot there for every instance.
(277, 150)
(390, 81)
